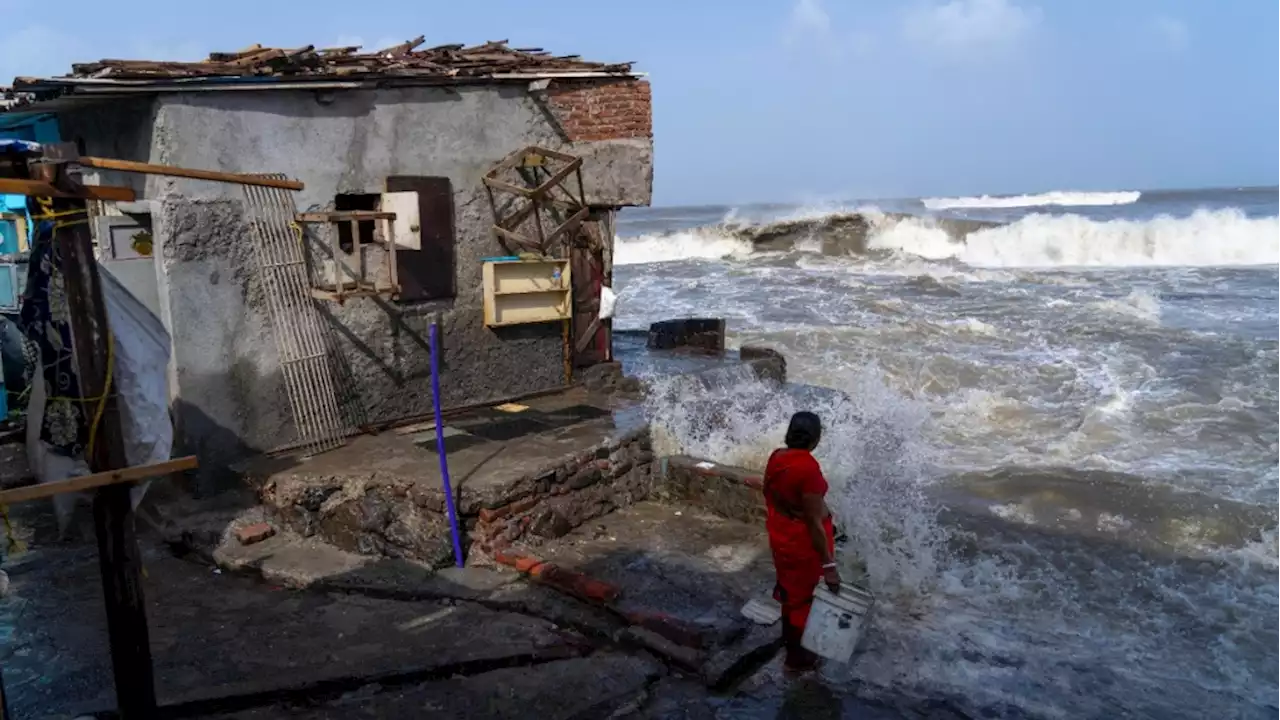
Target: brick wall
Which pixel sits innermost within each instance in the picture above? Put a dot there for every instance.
(602, 110)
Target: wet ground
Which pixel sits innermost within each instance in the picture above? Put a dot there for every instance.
(293, 628)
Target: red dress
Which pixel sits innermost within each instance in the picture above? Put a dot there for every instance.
(790, 474)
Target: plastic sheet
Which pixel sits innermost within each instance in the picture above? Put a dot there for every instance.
(140, 376)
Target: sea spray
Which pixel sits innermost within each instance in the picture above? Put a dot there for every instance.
(873, 453)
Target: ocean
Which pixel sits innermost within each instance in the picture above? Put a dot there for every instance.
(1051, 429)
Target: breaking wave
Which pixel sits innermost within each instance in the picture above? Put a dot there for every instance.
(1057, 197)
(702, 243)
(1206, 238)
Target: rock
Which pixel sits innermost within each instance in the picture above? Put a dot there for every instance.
(585, 477)
(551, 525)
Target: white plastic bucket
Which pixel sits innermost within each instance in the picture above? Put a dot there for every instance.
(836, 622)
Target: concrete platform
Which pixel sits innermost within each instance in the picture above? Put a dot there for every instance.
(382, 494)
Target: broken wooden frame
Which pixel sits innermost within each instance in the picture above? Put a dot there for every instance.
(359, 286)
(535, 160)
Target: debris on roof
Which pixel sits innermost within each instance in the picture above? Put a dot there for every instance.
(398, 61)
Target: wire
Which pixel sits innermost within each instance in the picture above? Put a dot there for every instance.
(102, 400)
(15, 545)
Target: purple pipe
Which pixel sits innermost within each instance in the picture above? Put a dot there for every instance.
(444, 461)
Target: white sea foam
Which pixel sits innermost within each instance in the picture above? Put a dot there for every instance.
(1057, 197)
(1204, 239)
(1139, 304)
(699, 244)
(873, 454)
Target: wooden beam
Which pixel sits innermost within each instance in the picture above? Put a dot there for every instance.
(119, 560)
(344, 215)
(96, 480)
(39, 188)
(194, 174)
(558, 176)
(505, 186)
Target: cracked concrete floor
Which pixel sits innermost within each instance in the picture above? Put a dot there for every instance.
(383, 644)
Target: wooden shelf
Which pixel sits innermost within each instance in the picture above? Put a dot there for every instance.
(518, 292)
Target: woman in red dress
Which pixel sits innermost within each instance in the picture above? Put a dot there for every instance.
(801, 535)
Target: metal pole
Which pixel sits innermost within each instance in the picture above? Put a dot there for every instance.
(444, 460)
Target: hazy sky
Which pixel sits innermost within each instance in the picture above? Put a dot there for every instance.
(812, 100)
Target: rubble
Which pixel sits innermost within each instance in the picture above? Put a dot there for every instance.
(308, 62)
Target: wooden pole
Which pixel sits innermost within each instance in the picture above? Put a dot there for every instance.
(174, 171)
(118, 556)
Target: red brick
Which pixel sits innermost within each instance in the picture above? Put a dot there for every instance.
(527, 564)
(255, 533)
(488, 515)
(579, 585)
(596, 110)
(524, 505)
(503, 557)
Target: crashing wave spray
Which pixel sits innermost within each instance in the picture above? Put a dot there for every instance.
(873, 453)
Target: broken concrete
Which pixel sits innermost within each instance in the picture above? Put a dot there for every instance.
(537, 473)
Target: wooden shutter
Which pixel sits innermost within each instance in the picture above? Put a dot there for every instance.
(428, 273)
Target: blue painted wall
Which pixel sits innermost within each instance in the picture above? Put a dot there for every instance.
(41, 128)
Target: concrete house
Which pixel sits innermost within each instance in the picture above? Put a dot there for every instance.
(359, 130)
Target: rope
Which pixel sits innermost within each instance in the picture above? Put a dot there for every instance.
(47, 213)
(102, 400)
(15, 545)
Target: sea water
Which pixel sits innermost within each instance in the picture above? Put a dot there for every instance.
(1052, 433)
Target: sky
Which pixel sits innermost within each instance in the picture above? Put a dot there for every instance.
(819, 100)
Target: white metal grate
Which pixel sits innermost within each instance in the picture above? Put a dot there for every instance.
(299, 329)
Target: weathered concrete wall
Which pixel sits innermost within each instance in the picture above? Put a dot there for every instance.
(225, 366)
(120, 129)
(229, 399)
(727, 491)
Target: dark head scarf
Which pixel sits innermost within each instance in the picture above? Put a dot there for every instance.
(804, 432)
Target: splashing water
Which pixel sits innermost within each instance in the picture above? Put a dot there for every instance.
(871, 453)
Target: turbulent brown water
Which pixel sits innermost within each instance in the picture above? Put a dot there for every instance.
(1053, 434)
